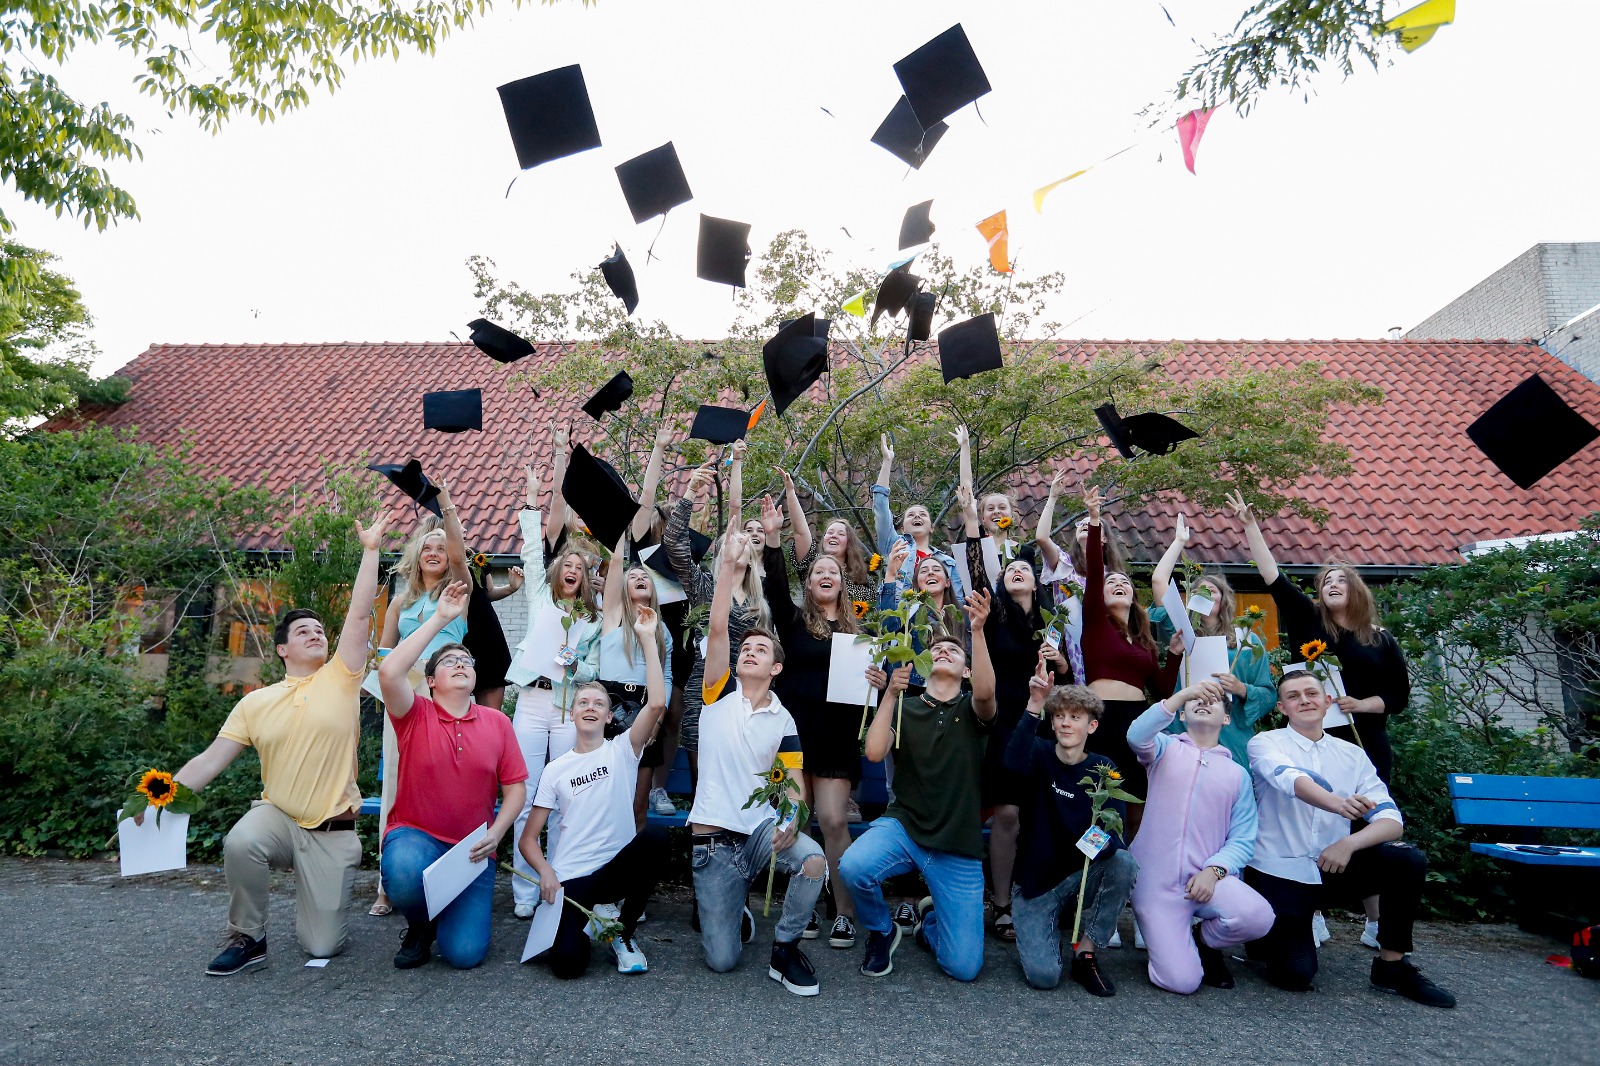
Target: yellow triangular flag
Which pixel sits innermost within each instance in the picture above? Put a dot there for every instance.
(1044, 190)
(1416, 26)
(857, 304)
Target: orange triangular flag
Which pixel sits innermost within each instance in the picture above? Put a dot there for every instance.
(993, 229)
(755, 416)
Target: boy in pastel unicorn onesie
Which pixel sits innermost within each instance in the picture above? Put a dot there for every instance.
(1199, 832)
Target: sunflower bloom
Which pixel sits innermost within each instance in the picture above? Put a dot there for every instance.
(480, 560)
(157, 787)
(776, 775)
(859, 607)
(1003, 522)
(1115, 775)
(1312, 650)
(874, 562)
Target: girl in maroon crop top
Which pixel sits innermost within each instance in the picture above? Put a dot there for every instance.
(1117, 645)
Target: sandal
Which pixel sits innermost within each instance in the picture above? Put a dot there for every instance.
(380, 907)
(1004, 928)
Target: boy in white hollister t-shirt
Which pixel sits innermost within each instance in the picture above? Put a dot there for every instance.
(599, 857)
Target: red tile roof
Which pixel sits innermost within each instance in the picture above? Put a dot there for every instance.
(268, 414)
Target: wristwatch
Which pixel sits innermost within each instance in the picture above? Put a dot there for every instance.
(1219, 871)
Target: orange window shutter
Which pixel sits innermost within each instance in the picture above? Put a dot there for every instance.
(1269, 628)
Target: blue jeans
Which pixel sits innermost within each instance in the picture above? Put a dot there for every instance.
(955, 928)
(1037, 920)
(461, 932)
(723, 872)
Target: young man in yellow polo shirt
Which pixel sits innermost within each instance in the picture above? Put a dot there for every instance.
(305, 729)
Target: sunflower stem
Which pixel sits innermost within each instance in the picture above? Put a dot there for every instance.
(1077, 917)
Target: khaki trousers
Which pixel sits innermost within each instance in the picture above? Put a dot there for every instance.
(324, 863)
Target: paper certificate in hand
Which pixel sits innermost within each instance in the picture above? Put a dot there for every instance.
(545, 644)
(847, 670)
(450, 874)
(147, 848)
(1208, 656)
(1178, 614)
(1333, 686)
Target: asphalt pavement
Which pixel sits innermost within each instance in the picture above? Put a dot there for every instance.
(98, 969)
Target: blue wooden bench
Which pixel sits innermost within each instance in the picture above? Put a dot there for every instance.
(1529, 803)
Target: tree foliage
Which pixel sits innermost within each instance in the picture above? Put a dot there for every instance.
(44, 353)
(1262, 429)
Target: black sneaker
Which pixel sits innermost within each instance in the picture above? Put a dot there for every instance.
(240, 954)
(792, 969)
(812, 930)
(905, 916)
(880, 952)
(415, 946)
(1401, 978)
(1213, 966)
(924, 908)
(843, 934)
(747, 927)
(1086, 971)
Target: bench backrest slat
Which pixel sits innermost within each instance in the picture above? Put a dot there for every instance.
(1546, 802)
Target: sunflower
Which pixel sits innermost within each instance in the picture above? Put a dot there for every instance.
(481, 561)
(1115, 775)
(777, 774)
(874, 562)
(860, 608)
(157, 787)
(1312, 650)
(1003, 522)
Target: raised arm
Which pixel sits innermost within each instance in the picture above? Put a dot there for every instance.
(555, 523)
(730, 571)
(969, 513)
(652, 481)
(655, 700)
(799, 522)
(455, 540)
(1049, 551)
(1094, 579)
(736, 482)
(496, 593)
(775, 572)
(1169, 559)
(613, 593)
(984, 703)
(1265, 563)
(964, 453)
(398, 695)
(357, 632)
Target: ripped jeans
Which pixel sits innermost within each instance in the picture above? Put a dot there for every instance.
(724, 869)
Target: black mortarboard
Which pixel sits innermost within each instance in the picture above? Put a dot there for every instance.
(916, 228)
(654, 183)
(599, 496)
(895, 292)
(723, 252)
(410, 480)
(497, 342)
(549, 116)
(1531, 431)
(904, 136)
(453, 412)
(1154, 433)
(795, 358)
(719, 425)
(612, 395)
(618, 273)
(969, 348)
(922, 307)
(661, 563)
(942, 76)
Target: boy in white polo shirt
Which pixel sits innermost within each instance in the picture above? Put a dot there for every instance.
(741, 732)
(598, 857)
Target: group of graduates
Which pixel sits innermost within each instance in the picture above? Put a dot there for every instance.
(1045, 685)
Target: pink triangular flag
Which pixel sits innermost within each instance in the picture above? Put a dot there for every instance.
(1190, 129)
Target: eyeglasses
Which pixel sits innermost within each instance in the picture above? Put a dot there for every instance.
(455, 660)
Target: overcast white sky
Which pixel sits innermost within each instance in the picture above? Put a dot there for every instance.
(1369, 206)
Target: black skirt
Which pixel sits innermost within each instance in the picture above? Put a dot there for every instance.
(1111, 740)
(485, 639)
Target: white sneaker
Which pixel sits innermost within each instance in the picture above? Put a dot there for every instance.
(629, 958)
(1138, 936)
(608, 910)
(1319, 929)
(1369, 935)
(661, 803)
(524, 910)
(1116, 940)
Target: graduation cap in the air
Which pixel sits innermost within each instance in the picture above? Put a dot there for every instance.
(942, 76)
(497, 342)
(795, 358)
(654, 183)
(723, 252)
(903, 136)
(1154, 433)
(453, 412)
(969, 348)
(719, 425)
(921, 327)
(410, 480)
(895, 292)
(612, 395)
(916, 228)
(1531, 431)
(661, 563)
(549, 116)
(618, 273)
(598, 494)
